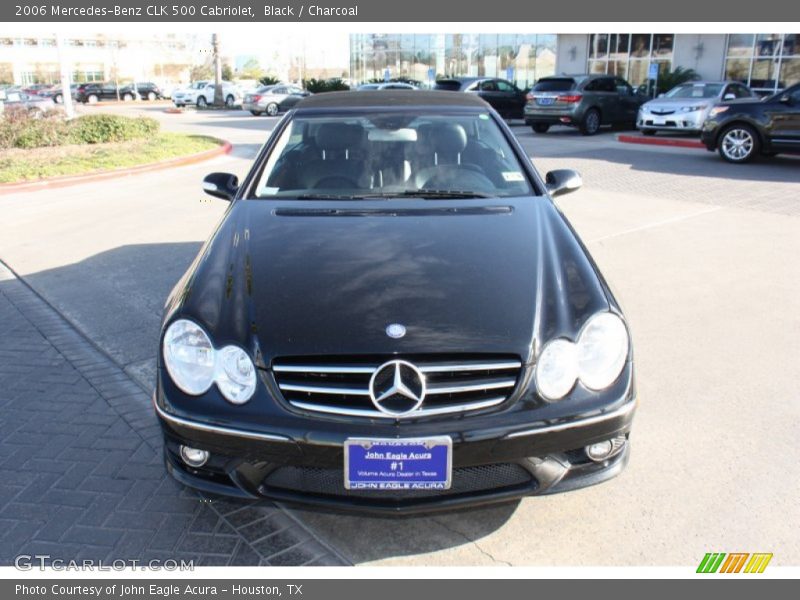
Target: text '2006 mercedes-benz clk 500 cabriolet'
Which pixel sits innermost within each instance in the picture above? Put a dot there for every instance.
(393, 316)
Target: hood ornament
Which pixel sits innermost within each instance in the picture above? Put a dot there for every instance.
(397, 388)
(395, 330)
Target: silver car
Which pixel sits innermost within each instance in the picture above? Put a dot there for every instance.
(686, 106)
(14, 100)
(273, 99)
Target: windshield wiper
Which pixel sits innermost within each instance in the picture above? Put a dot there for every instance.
(435, 194)
(327, 197)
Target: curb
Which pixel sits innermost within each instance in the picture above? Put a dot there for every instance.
(225, 147)
(660, 141)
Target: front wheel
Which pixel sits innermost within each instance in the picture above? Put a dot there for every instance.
(229, 101)
(272, 109)
(58, 99)
(201, 102)
(255, 113)
(92, 99)
(151, 96)
(540, 127)
(127, 97)
(738, 144)
(591, 122)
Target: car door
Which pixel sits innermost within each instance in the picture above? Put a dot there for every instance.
(488, 90)
(784, 117)
(107, 91)
(513, 98)
(628, 101)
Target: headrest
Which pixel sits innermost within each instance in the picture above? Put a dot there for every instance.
(339, 136)
(444, 138)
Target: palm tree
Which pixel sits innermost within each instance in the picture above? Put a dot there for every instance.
(668, 80)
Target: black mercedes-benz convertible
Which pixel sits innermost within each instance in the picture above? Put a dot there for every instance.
(393, 316)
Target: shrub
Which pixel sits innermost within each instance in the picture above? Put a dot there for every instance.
(269, 80)
(101, 129)
(319, 86)
(20, 128)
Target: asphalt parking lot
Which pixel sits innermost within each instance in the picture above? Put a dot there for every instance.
(700, 254)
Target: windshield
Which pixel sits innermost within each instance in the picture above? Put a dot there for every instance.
(703, 90)
(392, 154)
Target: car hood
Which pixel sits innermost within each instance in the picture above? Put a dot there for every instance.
(304, 278)
(672, 103)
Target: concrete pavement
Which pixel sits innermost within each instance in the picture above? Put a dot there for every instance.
(698, 252)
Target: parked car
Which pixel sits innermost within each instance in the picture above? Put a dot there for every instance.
(201, 94)
(742, 129)
(686, 106)
(389, 85)
(584, 101)
(393, 316)
(16, 100)
(89, 93)
(505, 97)
(273, 99)
(146, 90)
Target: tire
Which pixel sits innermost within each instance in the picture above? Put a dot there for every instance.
(540, 127)
(92, 99)
(256, 113)
(738, 143)
(127, 97)
(58, 99)
(151, 96)
(272, 109)
(648, 131)
(201, 102)
(229, 101)
(590, 124)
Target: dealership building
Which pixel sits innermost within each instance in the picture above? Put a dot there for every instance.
(767, 62)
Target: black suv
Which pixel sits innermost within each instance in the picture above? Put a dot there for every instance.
(742, 129)
(583, 101)
(503, 96)
(94, 92)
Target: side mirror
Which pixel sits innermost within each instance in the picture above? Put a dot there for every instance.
(661, 95)
(786, 99)
(221, 185)
(562, 181)
(729, 96)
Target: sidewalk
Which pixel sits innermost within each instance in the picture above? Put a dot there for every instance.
(81, 473)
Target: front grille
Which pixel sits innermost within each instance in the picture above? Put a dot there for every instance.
(330, 482)
(454, 384)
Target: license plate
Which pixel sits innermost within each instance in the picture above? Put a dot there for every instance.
(545, 100)
(398, 464)
(659, 121)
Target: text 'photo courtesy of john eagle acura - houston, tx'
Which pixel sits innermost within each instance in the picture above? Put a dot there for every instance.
(393, 316)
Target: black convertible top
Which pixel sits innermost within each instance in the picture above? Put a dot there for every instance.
(389, 98)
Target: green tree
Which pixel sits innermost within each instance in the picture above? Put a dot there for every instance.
(251, 70)
(667, 81)
(227, 72)
(269, 80)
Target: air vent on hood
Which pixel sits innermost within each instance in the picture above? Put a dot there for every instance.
(340, 386)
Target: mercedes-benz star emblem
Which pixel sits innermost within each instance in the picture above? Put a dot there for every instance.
(397, 388)
(395, 330)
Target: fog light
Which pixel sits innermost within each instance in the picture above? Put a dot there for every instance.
(600, 451)
(194, 457)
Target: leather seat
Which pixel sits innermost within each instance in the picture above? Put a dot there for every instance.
(341, 162)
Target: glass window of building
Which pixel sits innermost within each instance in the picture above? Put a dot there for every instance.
(628, 55)
(423, 58)
(767, 62)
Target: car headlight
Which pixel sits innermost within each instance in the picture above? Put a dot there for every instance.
(602, 350)
(596, 359)
(236, 378)
(194, 364)
(556, 369)
(189, 357)
(694, 108)
(718, 110)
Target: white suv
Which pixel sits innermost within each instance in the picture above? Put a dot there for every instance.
(201, 94)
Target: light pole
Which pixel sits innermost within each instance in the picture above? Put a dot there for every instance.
(66, 91)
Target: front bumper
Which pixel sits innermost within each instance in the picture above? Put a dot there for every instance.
(491, 463)
(690, 122)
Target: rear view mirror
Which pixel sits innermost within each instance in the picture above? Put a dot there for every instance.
(221, 185)
(562, 181)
